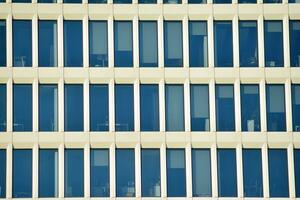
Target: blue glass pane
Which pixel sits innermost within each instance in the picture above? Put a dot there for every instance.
(147, 1)
(222, 1)
(297, 171)
(97, 1)
(21, 1)
(225, 108)
(174, 107)
(73, 44)
(2, 107)
(22, 173)
(199, 107)
(278, 173)
(172, 2)
(73, 107)
(47, 1)
(247, 1)
(272, 1)
(148, 44)
(99, 173)
(276, 120)
(3, 42)
(176, 181)
(125, 169)
(294, 43)
(48, 173)
(250, 108)
(149, 109)
(123, 50)
(122, 1)
(252, 173)
(150, 159)
(223, 44)
(22, 107)
(124, 110)
(296, 106)
(273, 38)
(294, 1)
(98, 44)
(99, 117)
(72, 1)
(74, 173)
(2, 173)
(22, 43)
(201, 172)
(48, 108)
(196, 1)
(227, 179)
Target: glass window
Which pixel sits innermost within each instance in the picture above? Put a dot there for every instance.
(173, 52)
(250, 107)
(3, 107)
(47, 1)
(227, 178)
(22, 173)
(122, 1)
(99, 173)
(125, 172)
(225, 108)
(174, 107)
(48, 173)
(123, 43)
(294, 40)
(74, 173)
(294, 1)
(197, 1)
(147, 1)
(149, 107)
(98, 49)
(201, 172)
(73, 43)
(278, 173)
(3, 42)
(22, 107)
(99, 117)
(275, 108)
(272, 1)
(72, 1)
(172, 2)
(176, 181)
(222, 1)
(21, 1)
(97, 1)
(22, 43)
(247, 1)
(48, 108)
(73, 107)
(296, 106)
(297, 171)
(2, 173)
(252, 173)
(223, 44)
(148, 43)
(273, 38)
(199, 107)
(150, 172)
(124, 109)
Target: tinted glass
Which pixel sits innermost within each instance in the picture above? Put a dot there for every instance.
(272, 1)
(48, 173)
(3, 42)
(173, 44)
(172, 2)
(22, 43)
(22, 173)
(150, 160)
(99, 173)
(21, 1)
(73, 44)
(294, 1)
(2, 173)
(122, 1)
(222, 1)
(74, 173)
(297, 171)
(149, 109)
(22, 107)
(73, 107)
(125, 169)
(294, 43)
(148, 43)
(275, 108)
(2, 107)
(47, 1)
(147, 1)
(123, 44)
(72, 1)
(247, 1)
(97, 1)
(296, 106)
(196, 1)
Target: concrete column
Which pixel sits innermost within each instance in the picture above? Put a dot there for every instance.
(9, 166)
(35, 105)
(61, 105)
(35, 41)
(135, 32)
(187, 116)
(239, 166)
(286, 39)
(265, 170)
(87, 170)
(214, 171)
(188, 164)
(138, 170)
(61, 170)
(260, 31)
(163, 171)
(212, 107)
(60, 41)
(263, 111)
(162, 105)
(9, 105)
(111, 106)
(210, 34)
(291, 170)
(288, 106)
(35, 174)
(235, 34)
(160, 39)
(237, 101)
(185, 37)
(136, 105)
(86, 110)
(110, 30)
(85, 31)
(9, 56)
(112, 173)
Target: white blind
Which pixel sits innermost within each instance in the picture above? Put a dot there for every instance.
(276, 99)
(174, 40)
(124, 36)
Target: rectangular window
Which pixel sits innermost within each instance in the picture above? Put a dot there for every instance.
(3, 110)
(74, 173)
(297, 171)
(22, 107)
(124, 107)
(223, 44)
(125, 173)
(122, 1)
(48, 108)
(222, 1)
(98, 40)
(22, 173)
(22, 43)
(47, 1)
(250, 107)
(148, 44)
(174, 107)
(123, 44)
(3, 43)
(294, 40)
(47, 43)
(252, 173)
(2, 173)
(147, 1)
(201, 173)
(72, 1)
(149, 107)
(296, 107)
(73, 107)
(247, 1)
(278, 173)
(48, 173)
(294, 1)
(97, 1)
(21, 1)
(99, 182)
(73, 43)
(273, 37)
(173, 50)
(197, 1)
(272, 1)
(150, 172)
(172, 1)
(276, 117)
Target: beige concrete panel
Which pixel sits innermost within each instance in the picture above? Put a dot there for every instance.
(201, 75)
(50, 75)
(177, 139)
(251, 75)
(24, 74)
(277, 75)
(5, 10)
(228, 139)
(295, 75)
(152, 139)
(100, 11)
(296, 139)
(102, 139)
(294, 11)
(75, 75)
(225, 11)
(150, 11)
(200, 11)
(51, 139)
(75, 11)
(49, 10)
(126, 75)
(24, 139)
(125, 11)
(253, 139)
(203, 139)
(5, 139)
(249, 11)
(279, 139)
(76, 139)
(127, 139)
(5, 74)
(151, 75)
(100, 75)
(174, 11)
(275, 11)
(176, 75)
(23, 10)
(226, 75)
